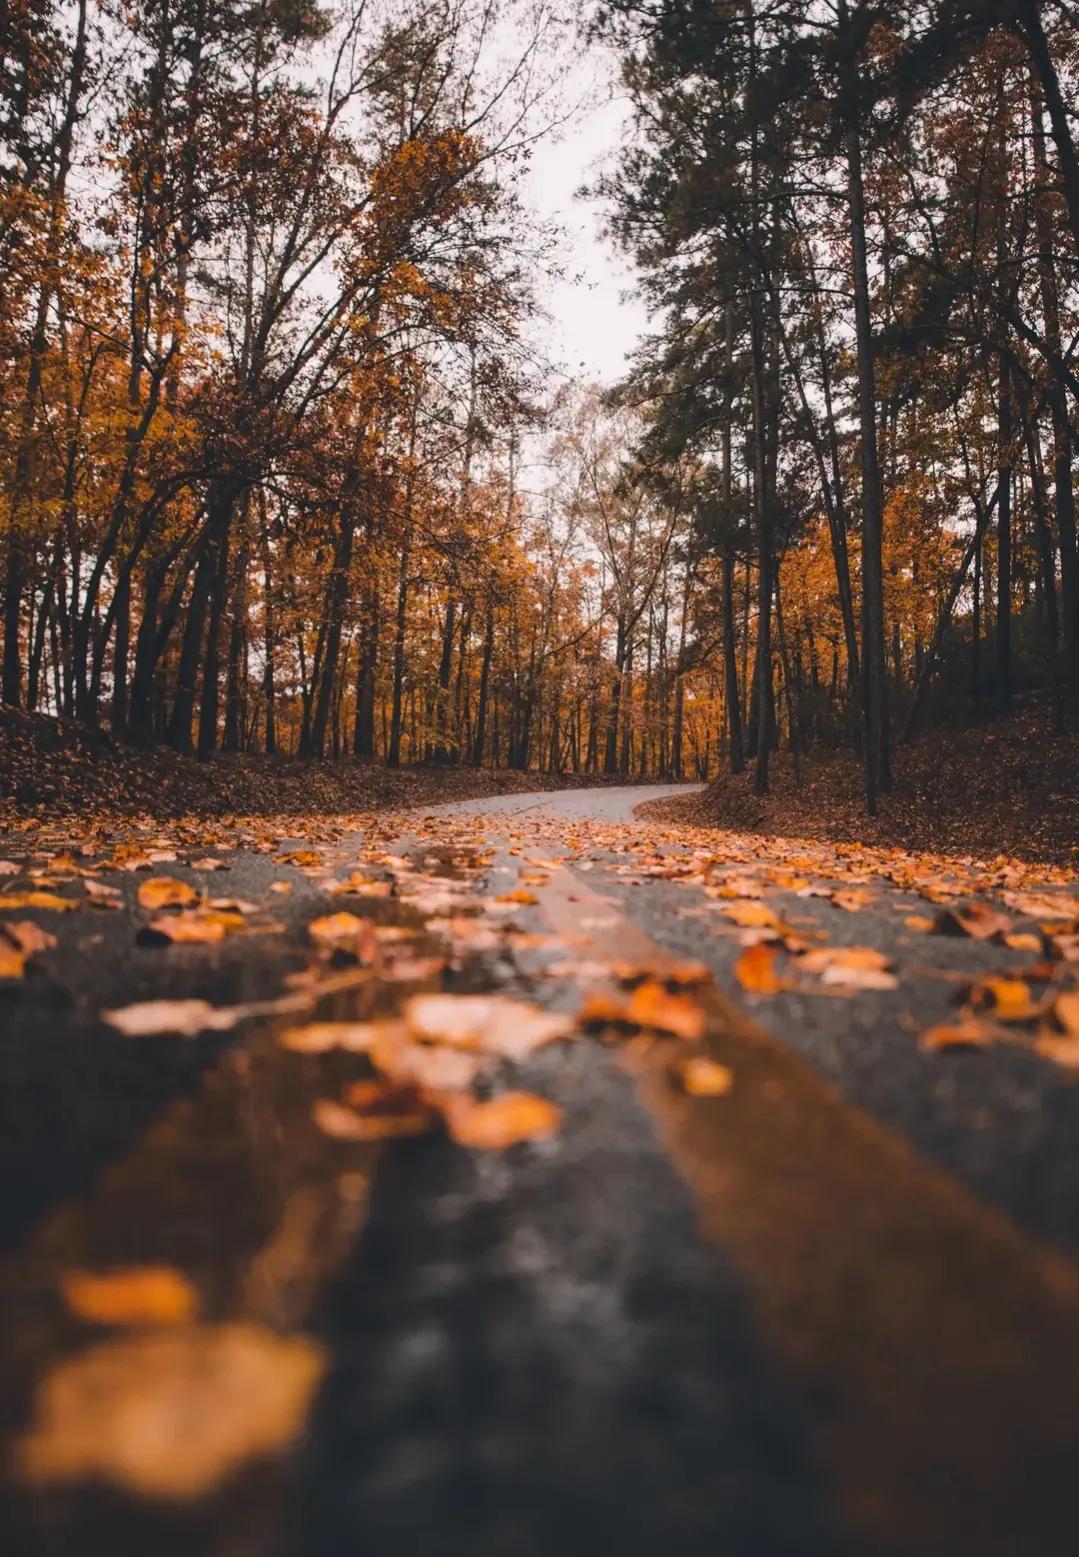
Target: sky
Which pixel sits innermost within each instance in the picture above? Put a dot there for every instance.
(595, 319)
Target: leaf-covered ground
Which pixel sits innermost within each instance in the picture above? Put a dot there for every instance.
(1009, 787)
(50, 768)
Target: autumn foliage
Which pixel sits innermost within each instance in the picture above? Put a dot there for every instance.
(281, 465)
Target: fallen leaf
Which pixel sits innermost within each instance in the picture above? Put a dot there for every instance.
(425, 1065)
(1009, 999)
(166, 892)
(973, 919)
(850, 967)
(1066, 1012)
(500, 1123)
(920, 922)
(521, 896)
(196, 927)
(495, 1024)
(685, 975)
(395, 1118)
(101, 894)
(751, 915)
(46, 900)
(1043, 905)
(134, 1295)
(603, 1011)
(185, 1017)
(702, 1077)
(652, 1005)
(303, 859)
(969, 1034)
(1062, 1049)
(27, 937)
(755, 970)
(346, 932)
(1024, 942)
(170, 1415)
(12, 962)
(322, 1037)
(390, 1108)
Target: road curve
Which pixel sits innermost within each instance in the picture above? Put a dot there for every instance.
(597, 803)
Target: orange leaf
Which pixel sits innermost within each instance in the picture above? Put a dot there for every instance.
(1009, 999)
(171, 1415)
(135, 1295)
(197, 927)
(27, 937)
(755, 970)
(166, 892)
(973, 919)
(502, 1122)
(703, 1078)
(970, 1034)
(651, 1005)
(12, 962)
(1066, 1012)
(751, 915)
(49, 900)
(375, 1123)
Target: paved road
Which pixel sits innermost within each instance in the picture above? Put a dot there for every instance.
(613, 804)
(833, 1312)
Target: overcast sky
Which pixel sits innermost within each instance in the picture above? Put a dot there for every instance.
(595, 324)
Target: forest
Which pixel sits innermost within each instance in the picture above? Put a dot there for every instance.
(285, 467)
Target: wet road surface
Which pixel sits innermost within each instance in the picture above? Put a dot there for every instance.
(834, 1312)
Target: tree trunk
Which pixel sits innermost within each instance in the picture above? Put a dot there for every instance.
(874, 669)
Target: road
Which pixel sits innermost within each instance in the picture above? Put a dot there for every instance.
(831, 1311)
